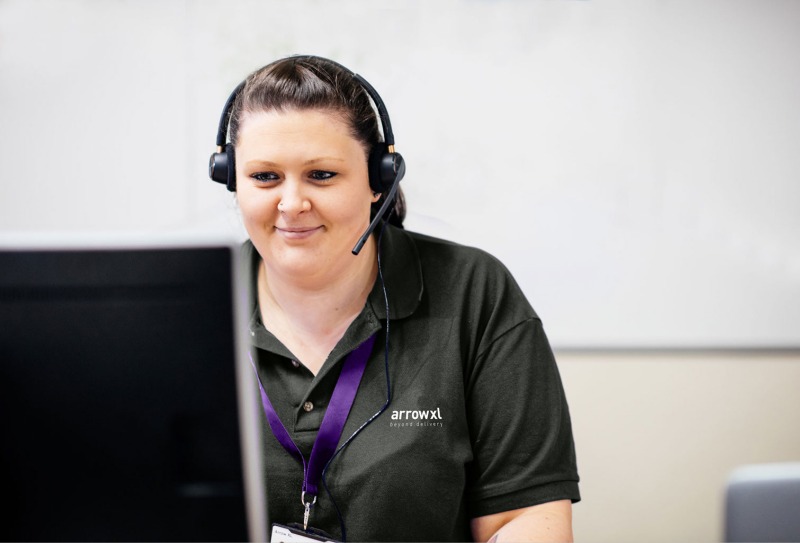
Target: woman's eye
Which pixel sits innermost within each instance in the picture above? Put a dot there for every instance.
(322, 175)
(265, 177)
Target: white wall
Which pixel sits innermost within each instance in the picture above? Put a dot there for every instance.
(634, 162)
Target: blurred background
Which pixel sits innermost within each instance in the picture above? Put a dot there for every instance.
(635, 164)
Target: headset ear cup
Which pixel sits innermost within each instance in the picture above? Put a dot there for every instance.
(385, 168)
(218, 167)
(374, 165)
(222, 168)
(231, 181)
(393, 168)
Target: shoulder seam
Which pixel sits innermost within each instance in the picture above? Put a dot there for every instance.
(505, 332)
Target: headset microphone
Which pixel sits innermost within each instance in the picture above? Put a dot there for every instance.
(389, 201)
(386, 167)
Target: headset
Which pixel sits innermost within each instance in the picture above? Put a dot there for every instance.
(386, 166)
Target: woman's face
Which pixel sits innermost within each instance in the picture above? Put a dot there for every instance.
(303, 190)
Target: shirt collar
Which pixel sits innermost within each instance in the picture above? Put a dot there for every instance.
(402, 274)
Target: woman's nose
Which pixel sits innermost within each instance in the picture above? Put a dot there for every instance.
(294, 199)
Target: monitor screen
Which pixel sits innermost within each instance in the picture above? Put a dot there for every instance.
(118, 393)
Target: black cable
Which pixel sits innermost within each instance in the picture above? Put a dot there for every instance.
(388, 388)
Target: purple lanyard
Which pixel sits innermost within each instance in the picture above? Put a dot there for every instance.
(330, 431)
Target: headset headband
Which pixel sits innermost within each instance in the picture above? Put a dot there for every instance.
(222, 131)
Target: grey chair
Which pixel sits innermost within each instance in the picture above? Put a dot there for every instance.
(762, 503)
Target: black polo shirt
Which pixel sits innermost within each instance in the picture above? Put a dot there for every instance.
(477, 423)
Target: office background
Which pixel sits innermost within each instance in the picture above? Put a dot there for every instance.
(634, 163)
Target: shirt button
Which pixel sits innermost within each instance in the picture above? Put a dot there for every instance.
(308, 407)
(295, 363)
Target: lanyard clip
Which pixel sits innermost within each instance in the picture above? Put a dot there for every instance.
(307, 505)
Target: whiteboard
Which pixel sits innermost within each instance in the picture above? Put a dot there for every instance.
(635, 164)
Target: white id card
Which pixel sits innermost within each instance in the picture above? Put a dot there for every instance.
(288, 534)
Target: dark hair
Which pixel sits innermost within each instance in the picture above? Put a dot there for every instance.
(309, 82)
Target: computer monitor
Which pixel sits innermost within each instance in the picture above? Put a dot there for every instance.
(127, 411)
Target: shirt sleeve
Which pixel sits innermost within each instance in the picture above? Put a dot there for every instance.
(523, 449)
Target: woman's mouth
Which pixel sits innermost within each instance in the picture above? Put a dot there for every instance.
(297, 232)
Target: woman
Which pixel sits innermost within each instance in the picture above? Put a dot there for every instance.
(452, 421)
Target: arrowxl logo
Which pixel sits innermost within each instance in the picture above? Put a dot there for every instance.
(417, 418)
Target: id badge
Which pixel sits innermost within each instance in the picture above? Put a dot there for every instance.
(290, 534)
